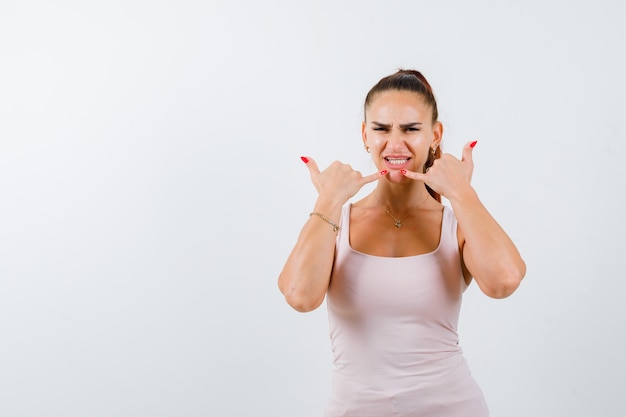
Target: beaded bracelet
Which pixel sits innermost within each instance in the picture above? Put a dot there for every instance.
(327, 220)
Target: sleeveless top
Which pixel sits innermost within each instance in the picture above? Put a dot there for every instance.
(393, 331)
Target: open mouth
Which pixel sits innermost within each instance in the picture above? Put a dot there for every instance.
(396, 160)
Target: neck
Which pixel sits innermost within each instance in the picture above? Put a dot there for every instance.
(399, 198)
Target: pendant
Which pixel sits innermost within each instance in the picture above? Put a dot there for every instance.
(398, 224)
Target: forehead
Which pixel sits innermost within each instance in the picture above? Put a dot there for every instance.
(398, 104)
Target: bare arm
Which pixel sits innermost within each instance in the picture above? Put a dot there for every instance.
(488, 253)
(305, 276)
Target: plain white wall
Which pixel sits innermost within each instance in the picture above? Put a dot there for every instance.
(151, 188)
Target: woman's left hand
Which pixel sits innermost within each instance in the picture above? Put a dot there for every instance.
(448, 176)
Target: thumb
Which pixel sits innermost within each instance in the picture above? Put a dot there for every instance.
(310, 164)
(467, 152)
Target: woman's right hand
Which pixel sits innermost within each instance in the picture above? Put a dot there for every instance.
(338, 182)
(305, 277)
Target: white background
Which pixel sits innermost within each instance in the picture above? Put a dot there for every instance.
(151, 188)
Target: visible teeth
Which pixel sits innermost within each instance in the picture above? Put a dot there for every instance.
(395, 161)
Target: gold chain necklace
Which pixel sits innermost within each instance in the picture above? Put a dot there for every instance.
(398, 222)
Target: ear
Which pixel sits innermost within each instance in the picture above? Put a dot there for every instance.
(364, 133)
(437, 134)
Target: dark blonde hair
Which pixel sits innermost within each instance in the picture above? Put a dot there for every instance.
(414, 81)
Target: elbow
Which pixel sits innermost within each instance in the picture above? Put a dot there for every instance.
(304, 308)
(299, 300)
(509, 280)
(301, 303)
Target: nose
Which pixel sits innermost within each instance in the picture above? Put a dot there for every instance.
(395, 139)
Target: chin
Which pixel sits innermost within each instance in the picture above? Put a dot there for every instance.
(396, 177)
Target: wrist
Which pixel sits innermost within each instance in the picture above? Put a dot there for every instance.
(335, 226)
(328, 205)
(464, 195)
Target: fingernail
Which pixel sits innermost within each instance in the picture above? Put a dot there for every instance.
(473, 144)
(383, 172)
(304, 159)
(403, 171)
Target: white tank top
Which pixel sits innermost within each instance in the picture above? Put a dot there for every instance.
(393, 331)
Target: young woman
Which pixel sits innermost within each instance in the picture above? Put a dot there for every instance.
(393, 266)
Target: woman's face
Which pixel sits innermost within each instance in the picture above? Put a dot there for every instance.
(399, 131)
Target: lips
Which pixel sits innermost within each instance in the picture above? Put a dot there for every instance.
(397, 162)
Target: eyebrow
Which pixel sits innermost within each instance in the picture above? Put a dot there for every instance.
(402, 126)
